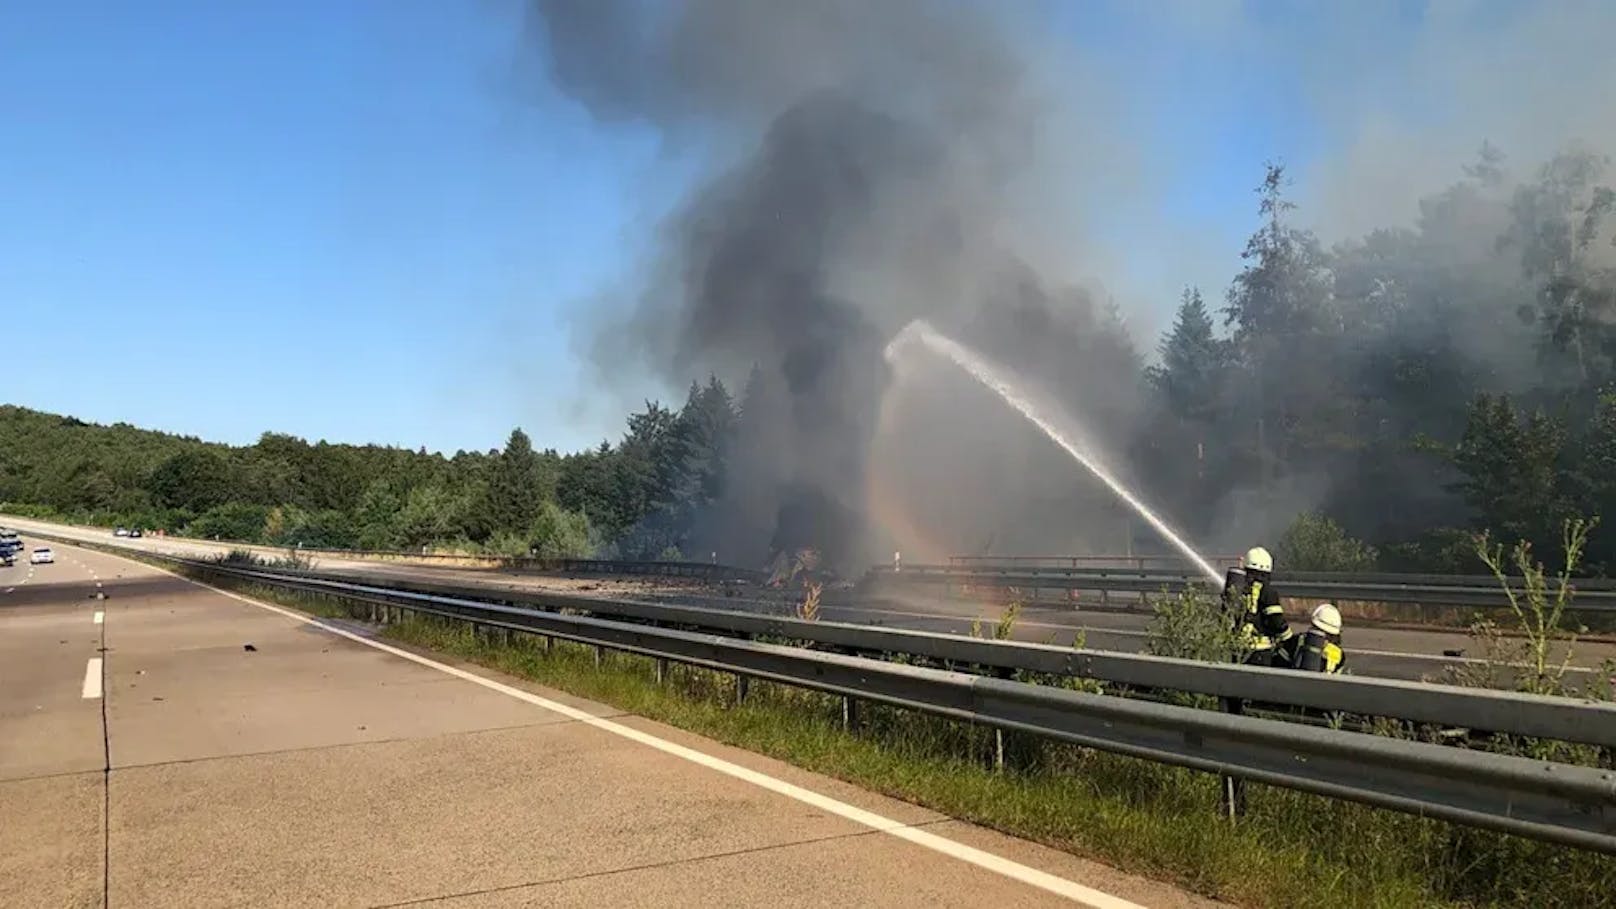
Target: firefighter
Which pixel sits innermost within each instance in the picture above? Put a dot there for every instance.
(1259, 616)
(1319, 648)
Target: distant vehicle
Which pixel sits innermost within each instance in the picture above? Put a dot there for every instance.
(42, 556)
(135, 532)
(120, 532)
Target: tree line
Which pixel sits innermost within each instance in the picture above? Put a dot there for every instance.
(638, 498)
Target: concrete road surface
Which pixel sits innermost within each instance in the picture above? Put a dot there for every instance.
(149, 757)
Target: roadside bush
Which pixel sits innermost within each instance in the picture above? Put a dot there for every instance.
(561, 534)
(1191, 625)
(1532, 647)
(232, 521)
(507, 545)
(1315, 543)
(25, 510)
(1446, 550)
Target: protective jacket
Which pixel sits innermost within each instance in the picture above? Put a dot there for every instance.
(1259, 616)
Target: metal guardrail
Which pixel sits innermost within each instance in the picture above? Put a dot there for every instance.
(1108, 565)
(1593, 598)
(1503, 712)
(1560, 803)
(707, 571)
(1140, 562)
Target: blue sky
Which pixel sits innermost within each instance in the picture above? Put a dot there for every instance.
(359, 221)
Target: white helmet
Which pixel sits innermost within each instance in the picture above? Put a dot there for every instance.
(1327, 618)
(1258, 559)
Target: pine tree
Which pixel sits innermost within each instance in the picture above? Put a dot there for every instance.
(516, 486)
(1193, 361)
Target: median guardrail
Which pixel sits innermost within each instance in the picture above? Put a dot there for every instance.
(1562, 803)
(1592, 596)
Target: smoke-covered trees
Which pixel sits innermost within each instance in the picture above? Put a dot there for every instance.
(1452, 373)
(1194, 363)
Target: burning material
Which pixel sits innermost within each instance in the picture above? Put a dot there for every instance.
(808, 609)
(789, 566)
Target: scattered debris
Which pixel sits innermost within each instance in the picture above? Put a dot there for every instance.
(157, 699)
(249, 648)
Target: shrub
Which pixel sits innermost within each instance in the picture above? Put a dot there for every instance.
(561, 534)
(1536, 620)
(1316, 543)
(1191, 625)
(231, 521)
(1446, 550)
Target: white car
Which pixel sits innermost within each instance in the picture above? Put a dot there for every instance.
(41, 556)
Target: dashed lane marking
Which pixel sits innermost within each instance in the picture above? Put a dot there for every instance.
(92, 678)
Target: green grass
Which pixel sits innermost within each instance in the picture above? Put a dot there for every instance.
(1291, 850)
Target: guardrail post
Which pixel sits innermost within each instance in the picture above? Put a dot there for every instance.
(661, 671)
(742, 686)
(998, 750)
(600, 655)
(1233, 796)
(850, 713)
(1232, 790)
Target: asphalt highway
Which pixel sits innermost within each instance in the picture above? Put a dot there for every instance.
(163, 743)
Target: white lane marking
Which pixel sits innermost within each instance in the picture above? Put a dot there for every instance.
(986, 860)
(100, 617)
(92, 678)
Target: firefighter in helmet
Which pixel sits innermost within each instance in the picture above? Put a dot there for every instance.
(1259, 616)
(1319, 648)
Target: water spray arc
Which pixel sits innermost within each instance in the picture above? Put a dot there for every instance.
(919, 332)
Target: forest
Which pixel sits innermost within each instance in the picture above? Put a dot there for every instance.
(1391, 395)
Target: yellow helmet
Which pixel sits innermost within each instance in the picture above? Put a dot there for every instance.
(1258, 559)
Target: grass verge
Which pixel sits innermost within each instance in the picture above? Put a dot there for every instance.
(1291, 850)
